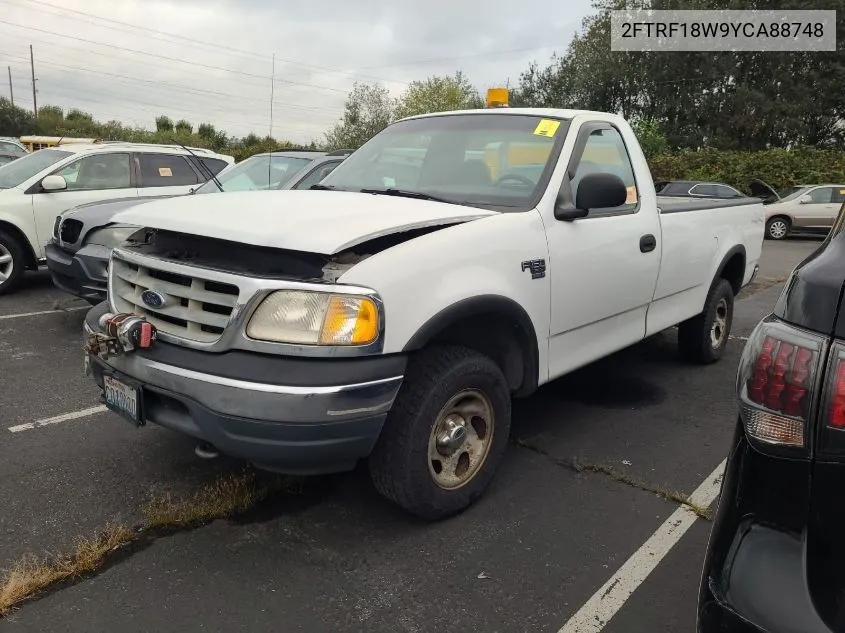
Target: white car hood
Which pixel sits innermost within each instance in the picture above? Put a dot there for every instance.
(324, 222)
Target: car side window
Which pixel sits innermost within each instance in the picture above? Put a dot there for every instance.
(317, 174)
(98, 171)
(821, 195)
(605, 152)
(215, 165)
(9, 147)
(838, 195)
(703, 190)
(166, 170)
(723, 191)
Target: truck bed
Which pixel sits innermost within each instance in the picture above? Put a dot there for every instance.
(670, 204)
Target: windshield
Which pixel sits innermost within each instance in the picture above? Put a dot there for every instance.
(501, 161)
(24, 168)
(793, 193)
(253, 174)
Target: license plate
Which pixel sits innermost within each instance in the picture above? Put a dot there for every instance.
(121, 398)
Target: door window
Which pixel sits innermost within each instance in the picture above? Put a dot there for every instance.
(821, 195)
(605, 153)
(98, 171)
(166, 170)
(317, 174)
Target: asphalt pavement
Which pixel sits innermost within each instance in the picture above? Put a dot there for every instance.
(553, 528)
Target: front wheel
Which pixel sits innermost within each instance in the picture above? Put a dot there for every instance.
(445, 435)
(702, 339)
(777, 228)
(12, 263)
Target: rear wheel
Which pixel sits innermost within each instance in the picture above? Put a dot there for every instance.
(445, 435)
(777, 228)
(702, 339)
(12, 263)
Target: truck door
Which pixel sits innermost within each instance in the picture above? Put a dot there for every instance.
(603, 267)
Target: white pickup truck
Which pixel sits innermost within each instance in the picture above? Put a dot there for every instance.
(454, 261)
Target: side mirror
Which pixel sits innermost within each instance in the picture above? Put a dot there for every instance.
(54, 183)
(806, 199)
(595, 191)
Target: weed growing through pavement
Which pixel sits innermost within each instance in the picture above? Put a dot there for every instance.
(226, 497)
(665, 493)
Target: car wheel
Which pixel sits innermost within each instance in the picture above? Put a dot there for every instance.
(703, 338)
(12, 263)
(777, 228)
(445, 435)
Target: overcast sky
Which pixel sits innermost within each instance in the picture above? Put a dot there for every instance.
(111, 58)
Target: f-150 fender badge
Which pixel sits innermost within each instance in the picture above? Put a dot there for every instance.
(536, 266)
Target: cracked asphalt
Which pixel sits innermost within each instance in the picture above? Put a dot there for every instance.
(335, 557)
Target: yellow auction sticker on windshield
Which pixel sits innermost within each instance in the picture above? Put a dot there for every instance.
(546, 127)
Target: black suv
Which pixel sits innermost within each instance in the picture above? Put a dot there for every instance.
(776, 557)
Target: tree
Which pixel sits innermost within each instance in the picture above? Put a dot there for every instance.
(369, 109)
(14, 121)
(727, 100)
(184, 127)
(651, 138)
(438, 94)
(164, 123)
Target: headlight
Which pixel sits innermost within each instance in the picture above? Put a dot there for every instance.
(111, 236)
(315, 318)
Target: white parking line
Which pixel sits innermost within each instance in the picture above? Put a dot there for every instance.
(73, 415)
(606, 602)
(21, 315)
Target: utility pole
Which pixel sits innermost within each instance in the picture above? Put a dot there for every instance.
(272, 91)
(32, 67)
(11, 90)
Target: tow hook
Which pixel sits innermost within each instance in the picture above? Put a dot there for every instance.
(120, 334)
(206, 451)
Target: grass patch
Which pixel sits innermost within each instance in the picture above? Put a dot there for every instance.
(665, 493)
(228, 496)
(31, 575)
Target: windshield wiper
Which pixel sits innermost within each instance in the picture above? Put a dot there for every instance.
(319, 187)
(405, 193)
(201, 165)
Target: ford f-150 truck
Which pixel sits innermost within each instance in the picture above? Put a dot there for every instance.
(454, 261)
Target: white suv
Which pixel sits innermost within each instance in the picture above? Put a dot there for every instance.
(36, 188)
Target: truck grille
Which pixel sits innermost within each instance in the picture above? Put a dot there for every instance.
(69, 231)
(194, 308)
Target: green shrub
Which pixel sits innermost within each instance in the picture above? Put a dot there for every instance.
(779, 168)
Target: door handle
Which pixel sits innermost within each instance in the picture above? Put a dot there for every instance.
(647, 243)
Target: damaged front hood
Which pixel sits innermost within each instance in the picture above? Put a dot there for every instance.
(324, 222)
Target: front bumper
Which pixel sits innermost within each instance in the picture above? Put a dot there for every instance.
(83, 273)
(291, 415)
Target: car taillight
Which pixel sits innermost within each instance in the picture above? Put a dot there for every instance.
(835, 406)
(776, 382)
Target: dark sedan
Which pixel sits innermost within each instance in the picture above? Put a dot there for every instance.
(776, 558)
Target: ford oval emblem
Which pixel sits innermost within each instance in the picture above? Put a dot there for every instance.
(153, 299)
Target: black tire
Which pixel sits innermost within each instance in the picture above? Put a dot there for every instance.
(697, 336)
(778, 227)
(400, 466)
(10, 246)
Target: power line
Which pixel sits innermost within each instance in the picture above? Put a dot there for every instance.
(184, 40)
(169, 86)
(435, 60)
(172, 59)
(159, 109)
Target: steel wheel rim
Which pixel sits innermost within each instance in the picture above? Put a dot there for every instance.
(7, 263)
(460, 439)
(777, 229)
(719, 329)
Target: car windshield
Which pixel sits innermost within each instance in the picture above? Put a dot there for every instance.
(24, 168)
(492, 160)
(793, 194)
(257, 173)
